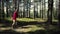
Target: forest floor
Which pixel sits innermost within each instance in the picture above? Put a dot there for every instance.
(30, 27)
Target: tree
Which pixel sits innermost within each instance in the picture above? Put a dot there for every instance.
(28, 3)
(18, 5)
(7, 7)
(59, 15)
(40, 8)
(24, 14)
(50, 9)
(2, 9)
(36, 8)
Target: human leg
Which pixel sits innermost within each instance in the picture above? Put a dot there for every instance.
(13, 23)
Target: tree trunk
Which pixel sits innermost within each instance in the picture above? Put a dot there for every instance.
(50, 9)
(29, 7)
(18, 5)
(2, 9)
(42, 9)
(7, 7)
(59, 15)
(34, 11)
(15, 4)
(24, 14)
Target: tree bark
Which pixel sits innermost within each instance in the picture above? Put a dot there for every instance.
(2, 9)
(50, 9)
(59, 15)
(7, 7)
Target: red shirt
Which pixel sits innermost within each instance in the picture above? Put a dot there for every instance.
(14, 15)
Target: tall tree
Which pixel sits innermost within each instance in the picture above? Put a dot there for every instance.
(15, 4)
(29, 8)
(7, 6)
(59, 15)
(2, 9)
(18, 5)
(44, 9)
(50, 9)
(34, 9)
(24, 2)
(28, 3)
(40, 8)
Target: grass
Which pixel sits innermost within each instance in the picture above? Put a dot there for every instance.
(31, 28)
(29, 19)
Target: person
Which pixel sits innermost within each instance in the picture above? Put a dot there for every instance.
(14, 16)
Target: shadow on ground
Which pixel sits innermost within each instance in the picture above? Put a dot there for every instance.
(36, 32)
(10, 32)
(23, 23)
(8, 23)
(45, 32)
(20, 24)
